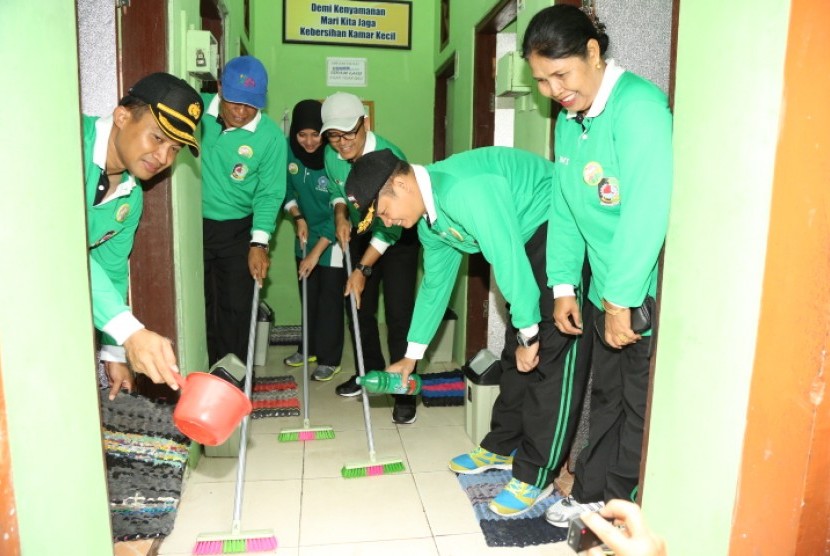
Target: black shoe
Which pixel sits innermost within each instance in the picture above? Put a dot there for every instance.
(349, 388)
(404, 411)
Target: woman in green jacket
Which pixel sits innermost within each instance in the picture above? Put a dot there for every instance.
(307, 200)
(612, 187)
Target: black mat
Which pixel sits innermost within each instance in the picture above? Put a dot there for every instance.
(285, 335)
(145, 457)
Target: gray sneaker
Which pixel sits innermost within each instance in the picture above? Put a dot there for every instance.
(296, 360)
(324, 373)
(561, 513)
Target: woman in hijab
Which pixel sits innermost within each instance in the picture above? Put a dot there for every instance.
(319, 257)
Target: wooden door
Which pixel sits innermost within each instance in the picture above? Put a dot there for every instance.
(143, 40)
(484, 101)
(9, 533)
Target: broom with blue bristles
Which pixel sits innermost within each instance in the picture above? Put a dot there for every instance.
(374, 466)
(307, 432)
(237, 541)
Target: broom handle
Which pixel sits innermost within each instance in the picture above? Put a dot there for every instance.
(360, 369)
(243, 436)
(306, 422)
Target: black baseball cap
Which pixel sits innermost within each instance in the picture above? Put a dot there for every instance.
(368, 174)
(175, 105)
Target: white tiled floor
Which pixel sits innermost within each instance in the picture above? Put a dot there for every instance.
(295, 488)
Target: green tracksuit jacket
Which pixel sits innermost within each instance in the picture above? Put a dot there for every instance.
(338, 170)
(309, 190)
(111, 228)
(489, 200)
(612, 192)
(243, 170)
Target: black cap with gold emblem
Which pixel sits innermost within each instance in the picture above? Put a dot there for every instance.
(175, 105)
(368, 174)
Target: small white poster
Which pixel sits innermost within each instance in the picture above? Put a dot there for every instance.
(346, 72)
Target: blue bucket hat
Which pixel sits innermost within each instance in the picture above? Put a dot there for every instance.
(245, 81)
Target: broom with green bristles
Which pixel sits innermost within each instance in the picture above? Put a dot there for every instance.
(307, 432)
(237, 541)
(374, 466)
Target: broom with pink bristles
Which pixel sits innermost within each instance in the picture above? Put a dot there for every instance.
(307, 432)
(237, 541)
(374, 466)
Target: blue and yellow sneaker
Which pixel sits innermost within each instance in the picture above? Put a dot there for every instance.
(480, 460)
(517, 497)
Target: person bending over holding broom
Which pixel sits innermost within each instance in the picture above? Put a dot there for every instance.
(495, 201)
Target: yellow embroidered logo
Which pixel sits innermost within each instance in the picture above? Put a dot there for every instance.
(122, 213)
(194, 110)
(367, 220)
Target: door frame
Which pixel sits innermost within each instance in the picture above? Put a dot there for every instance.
(484, 99)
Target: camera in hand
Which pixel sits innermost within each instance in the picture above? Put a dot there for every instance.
(580, 537)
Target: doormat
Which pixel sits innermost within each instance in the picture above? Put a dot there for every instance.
(145, 458)
(275, 396)
(286, 335)
(527, 529)
(443, 389)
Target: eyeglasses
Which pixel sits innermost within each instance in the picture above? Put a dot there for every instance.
(334, 137)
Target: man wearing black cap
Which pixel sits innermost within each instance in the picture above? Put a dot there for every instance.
(243, 186)
(141, 138)
(495, 201)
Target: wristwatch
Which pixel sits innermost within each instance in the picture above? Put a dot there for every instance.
(524, 341)
(365, 270)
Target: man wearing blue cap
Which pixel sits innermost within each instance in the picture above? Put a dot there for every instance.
(243, 186)
(151, 124)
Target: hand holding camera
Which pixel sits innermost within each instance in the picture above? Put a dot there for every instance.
(620, 525)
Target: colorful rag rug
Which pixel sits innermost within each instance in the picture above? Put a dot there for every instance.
(443, 389)
(145, 457)
(275, 396)
(527, 529)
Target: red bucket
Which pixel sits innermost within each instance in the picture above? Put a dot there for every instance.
(209, 408)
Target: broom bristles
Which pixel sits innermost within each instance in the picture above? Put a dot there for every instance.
(235, 543)
(313, 433)
(372, 468)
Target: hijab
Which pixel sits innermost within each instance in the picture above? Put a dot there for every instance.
(306, 115)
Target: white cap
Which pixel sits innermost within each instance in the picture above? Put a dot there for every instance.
(341, 111)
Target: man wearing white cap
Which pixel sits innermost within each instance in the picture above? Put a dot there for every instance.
(345, 125)
(243, 185)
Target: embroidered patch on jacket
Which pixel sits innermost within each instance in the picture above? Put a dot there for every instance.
(246, 151)
(609, 192)
(592, 173)
(122, 212)
(239, 172)
(293, 168)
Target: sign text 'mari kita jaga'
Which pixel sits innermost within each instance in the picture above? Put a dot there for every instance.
(349, 23)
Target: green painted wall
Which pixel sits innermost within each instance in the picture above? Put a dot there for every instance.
(187, 210)
(46, 332)
(532, 125)
(400, 82)
(727, 104)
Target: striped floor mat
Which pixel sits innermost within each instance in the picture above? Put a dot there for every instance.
(443, 389)
(145, 457)
(525, 530)
(275, 396)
